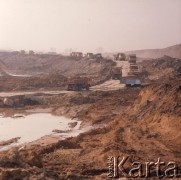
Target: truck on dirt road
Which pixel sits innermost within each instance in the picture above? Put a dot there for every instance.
(98, 56)
(133, 69)
(120, 57)
(132, 58)
(76, 55)
(89, 55)
(116, 73)
(78, 83)
(132, 78)
(131, 81)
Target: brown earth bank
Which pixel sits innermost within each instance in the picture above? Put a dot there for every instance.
(45, 70)
(18, 63)
(144, 124)
(161, 68)
(41, 82)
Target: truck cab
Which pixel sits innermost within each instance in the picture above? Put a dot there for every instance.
(120, 57)
(78, 83)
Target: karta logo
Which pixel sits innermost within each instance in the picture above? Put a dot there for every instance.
(126, 167)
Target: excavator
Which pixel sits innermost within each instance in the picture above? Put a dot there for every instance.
(78, 83)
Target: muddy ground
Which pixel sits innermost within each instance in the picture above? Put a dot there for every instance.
(142, 123)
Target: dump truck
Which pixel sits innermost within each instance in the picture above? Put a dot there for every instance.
(116, 73)
(131, 81)
(120, 57)
(76, 54)
(133, 66)
(98, 56)
(89, 55)
(132, 58)
(133, 76)
(133, 69)
(78, 83)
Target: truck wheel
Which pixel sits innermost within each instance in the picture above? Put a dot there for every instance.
(69, 88)
(74, 88)
(78, 88)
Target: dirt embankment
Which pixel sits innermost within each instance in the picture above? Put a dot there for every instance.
(43, 82)
(34, 72)
(144, 129)
(80, 105)
(91, 107)
(160, 114)
(16, 64)
(161, 68)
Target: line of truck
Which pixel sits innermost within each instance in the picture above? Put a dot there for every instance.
(126, 70)
(80, 55)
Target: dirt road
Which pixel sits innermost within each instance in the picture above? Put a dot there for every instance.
(109, 85)
(113, 84)
(9, 94)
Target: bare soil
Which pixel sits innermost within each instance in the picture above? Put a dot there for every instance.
(142, 123)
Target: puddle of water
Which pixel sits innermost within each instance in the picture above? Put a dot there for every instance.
(34, 126)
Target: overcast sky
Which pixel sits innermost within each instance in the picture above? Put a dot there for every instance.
(89, 25)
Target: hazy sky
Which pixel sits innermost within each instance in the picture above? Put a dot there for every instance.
(87, 25)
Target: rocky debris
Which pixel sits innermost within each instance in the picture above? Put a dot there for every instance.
(18, 116)
(11, 159)
(179, 71)
(72, 124)
(10, 141)
(14, 173)
(21, 101)
(60, 131)
(8, 102)
(161, 68)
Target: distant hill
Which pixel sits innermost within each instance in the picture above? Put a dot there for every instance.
(172, 51)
